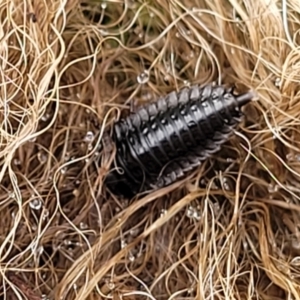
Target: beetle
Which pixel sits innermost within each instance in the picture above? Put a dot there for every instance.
(165, 140)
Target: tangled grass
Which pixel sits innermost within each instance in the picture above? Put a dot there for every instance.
(68, 69)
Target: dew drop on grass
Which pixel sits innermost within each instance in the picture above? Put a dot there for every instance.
(163, 212)
(42, 157)
(63, 170)
(226, 184)
(17, 162)
(193, 213)
(123, 243)
(45, 117)
(83, 225)
(35, 204)
(131, 257)
(89, 137)
(143, 77)
(186, 83)
(46, 214)
(277, 82)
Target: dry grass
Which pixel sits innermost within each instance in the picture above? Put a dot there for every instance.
(68, 68)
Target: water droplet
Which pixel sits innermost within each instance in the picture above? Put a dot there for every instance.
(75, 286)
(17, 162)
(203, 182)
(123, 243)
(177, 34)
(163, 212)
(45, 214)
(103, 5)
(131, 257)
(110, 284)
(278, 82)
(83, 225)
(214, 186)
(190, 212)
(151, 15)
(143, 77)
(216, 207)
(89, 137)
(36, 203)
(272, 188)
(147, 96)
(186, 83)
(42, 157)
(45, 117)
(193, 213)
(63, 170)
(226, 184)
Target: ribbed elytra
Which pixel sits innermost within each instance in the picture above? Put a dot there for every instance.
(163, 141)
